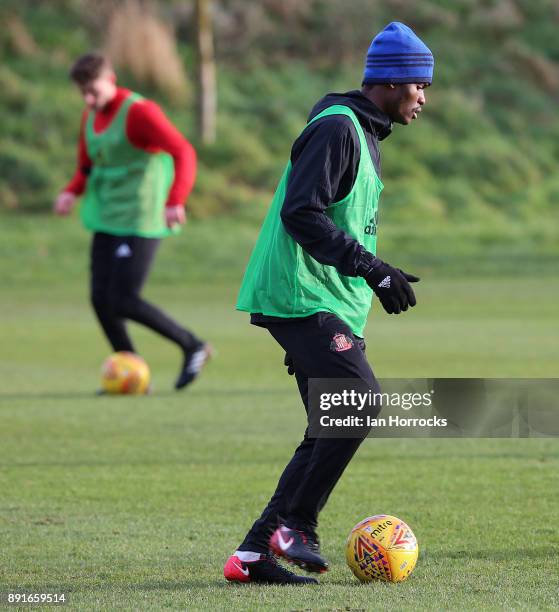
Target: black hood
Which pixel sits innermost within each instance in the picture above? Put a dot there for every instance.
(371, 118)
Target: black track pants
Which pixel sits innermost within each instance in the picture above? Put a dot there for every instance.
(317, 463)
(119, 268)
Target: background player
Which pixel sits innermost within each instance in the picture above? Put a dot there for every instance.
(136, 171)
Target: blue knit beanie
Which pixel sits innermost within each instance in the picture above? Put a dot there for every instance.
(397, 55)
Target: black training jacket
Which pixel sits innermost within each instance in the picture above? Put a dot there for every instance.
(325, 159)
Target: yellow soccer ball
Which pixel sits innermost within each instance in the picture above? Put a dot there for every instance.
(381, 547)
(125, 373)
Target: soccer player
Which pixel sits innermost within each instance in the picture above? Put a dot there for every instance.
(311, 278)
(136, 171)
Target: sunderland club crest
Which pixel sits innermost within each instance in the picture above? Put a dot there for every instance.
(341, 342)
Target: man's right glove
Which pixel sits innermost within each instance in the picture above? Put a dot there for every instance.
(391, 286)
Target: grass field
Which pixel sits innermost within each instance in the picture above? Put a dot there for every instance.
(127, 503)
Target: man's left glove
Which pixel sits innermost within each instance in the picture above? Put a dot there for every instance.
(288, 361)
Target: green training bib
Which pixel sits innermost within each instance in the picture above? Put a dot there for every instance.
(283, 280)
(128, 187)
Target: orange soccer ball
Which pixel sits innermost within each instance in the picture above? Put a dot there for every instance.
(381, 547)
(125, 373)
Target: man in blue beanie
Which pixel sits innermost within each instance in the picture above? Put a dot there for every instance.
(311, 278)
(403, 65)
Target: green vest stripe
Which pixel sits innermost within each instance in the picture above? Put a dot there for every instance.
(127, 188)
(283, 280)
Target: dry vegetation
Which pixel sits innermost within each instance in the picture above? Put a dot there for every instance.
(138, 40)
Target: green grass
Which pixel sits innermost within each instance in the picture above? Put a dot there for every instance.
(127, 503)
(45, 250)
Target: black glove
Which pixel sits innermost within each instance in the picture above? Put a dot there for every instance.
(391, 286)
(288, 361)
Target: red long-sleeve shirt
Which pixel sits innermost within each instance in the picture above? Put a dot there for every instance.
(147, 128)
